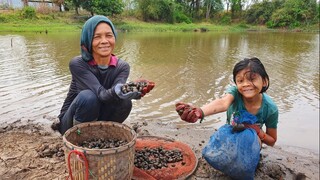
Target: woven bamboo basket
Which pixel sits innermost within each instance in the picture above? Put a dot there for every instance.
(107, 164)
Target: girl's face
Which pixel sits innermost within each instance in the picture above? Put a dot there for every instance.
(249, 84)
(103, 41)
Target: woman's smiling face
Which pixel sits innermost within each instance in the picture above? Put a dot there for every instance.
(103, 41)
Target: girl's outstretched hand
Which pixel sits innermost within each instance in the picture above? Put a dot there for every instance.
(188, 112)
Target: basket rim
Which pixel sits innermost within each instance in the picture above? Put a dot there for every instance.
(71, 146)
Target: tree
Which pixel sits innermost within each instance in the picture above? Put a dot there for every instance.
(25, 3)
(209, 5)
(74, 3)
(227, 4)
(294, 13)
(59, 3)
(88, 5)
(212, 6)
(108, 8)
(301, 10)
(261, 12)
(103, 7)
(185, 7)
(157, 10)
(236, 8)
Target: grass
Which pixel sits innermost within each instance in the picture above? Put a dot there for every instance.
(68, 22)
(38, 27)
(126, 25)
(135, 26)
(13, 22)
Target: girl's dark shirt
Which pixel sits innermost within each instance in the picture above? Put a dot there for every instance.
(100, 81)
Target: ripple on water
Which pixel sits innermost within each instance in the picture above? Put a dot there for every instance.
(29, 83)
(193, 68)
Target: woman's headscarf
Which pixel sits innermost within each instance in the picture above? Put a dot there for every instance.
(88, 32)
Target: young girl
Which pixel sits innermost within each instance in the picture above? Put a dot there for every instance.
(252, 81)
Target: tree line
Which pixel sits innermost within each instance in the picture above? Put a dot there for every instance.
(272, 13)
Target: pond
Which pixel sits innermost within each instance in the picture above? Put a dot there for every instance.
(189, 67)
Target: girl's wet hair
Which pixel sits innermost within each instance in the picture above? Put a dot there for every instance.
(255, 66)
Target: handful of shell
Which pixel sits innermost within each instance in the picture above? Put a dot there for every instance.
(238, 127)
(156, 158)
(133, 87)
(100, 143)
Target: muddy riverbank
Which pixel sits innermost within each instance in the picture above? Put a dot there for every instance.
(32, 150)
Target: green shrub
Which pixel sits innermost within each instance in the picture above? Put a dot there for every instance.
(182, 18)
(46, 17)
(270, 24)
(282, 18)
(3, 19)
(260, 13)
(243, 25)
(225, 19)
(9, 17)
(28, 13)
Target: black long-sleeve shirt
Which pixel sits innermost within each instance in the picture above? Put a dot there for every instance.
(101, 82)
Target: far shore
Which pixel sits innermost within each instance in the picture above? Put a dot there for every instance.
(129, 25)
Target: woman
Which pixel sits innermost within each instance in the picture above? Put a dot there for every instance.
(98, 76)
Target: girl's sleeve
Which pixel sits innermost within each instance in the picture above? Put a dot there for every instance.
(272, 120)
(272, 112)
(232, 90)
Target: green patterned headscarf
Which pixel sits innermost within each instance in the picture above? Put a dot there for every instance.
(88, 32)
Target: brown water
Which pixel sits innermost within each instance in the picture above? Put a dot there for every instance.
(189, 67)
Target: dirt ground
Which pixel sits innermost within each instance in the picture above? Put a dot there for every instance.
(32, 150)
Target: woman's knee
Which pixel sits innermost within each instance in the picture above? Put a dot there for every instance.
(87, 108)
(116, 112)
(88, 99)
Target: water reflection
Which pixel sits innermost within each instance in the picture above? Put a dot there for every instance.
(190, 67)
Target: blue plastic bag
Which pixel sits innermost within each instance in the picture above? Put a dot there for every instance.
(235, 154)
(244, 116)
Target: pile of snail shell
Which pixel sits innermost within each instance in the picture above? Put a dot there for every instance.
(133, 87)
(157, 158)
(100, 143)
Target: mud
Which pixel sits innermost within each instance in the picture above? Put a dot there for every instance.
(32, 150)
